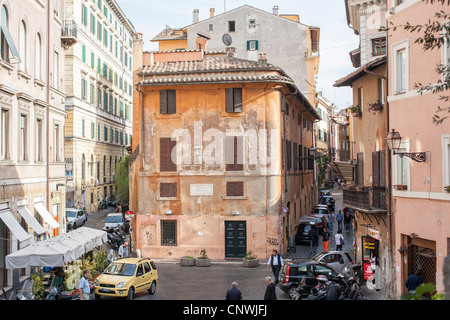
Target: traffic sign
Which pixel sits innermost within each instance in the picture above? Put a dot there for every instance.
(285, 210)
(129, 215)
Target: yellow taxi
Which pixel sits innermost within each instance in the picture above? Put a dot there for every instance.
(125, 277)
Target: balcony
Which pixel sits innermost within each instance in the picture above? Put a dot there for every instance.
(69, 33)
(367, 200)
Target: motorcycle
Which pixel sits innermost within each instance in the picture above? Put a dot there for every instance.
(353, 290)
(116, 236)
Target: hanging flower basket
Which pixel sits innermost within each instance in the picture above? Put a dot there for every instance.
(401, 187)
(356, 110)
(377, 106)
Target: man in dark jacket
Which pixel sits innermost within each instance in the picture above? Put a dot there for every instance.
(234, 293)
(270, 290)
(414, 281)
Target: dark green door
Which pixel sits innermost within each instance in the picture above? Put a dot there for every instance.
(235, 239)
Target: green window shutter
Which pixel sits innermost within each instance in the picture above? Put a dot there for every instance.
(99, 66)
(83, 53)
(92, 60)
(256, 44)
(92, 130)
(248, 45)
(82, 127)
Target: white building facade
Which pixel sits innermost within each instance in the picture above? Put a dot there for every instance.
(99, 99)
(32, 120)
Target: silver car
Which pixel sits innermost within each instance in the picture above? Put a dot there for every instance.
(75, 218)
(340, 261)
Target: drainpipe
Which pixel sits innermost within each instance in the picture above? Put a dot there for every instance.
(48, 109)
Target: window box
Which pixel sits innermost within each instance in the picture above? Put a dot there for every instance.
(401, 187)
(377, 106)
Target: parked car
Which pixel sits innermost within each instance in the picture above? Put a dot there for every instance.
(329, 201)
(125, 277)
(339, 260)
(321, 220)
(75, 218)
(114, 220)
(324, 192)
(294, 271)
(305, 225)
(321, 210)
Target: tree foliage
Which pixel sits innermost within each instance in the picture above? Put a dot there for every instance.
(122, 185)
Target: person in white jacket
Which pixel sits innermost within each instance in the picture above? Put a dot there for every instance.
(339, 240)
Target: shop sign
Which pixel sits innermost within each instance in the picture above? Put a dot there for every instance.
(373, 233)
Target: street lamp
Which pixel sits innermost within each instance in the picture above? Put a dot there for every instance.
(394, 139)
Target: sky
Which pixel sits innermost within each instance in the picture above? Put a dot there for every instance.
(336, 38)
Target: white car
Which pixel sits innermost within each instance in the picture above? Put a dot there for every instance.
(114, 220)
(75, 218)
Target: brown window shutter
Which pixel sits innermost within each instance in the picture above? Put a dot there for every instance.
(239, 191)
(163, 152)
(235, 189)
(375, 169)
(171, 101)
(163, 101)
(229, 152)
(360, 168)
(237, 99)
(229, 100)
(230, 189)
(163, 190)
(382, 168)
(172, 165)
(239, 152)
(172, 190)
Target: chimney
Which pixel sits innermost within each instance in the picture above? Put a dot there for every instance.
(212, 12)
(262, 59)
(276, 10)
(196, 16)
(231, 51)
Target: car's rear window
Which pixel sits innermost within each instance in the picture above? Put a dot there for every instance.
(300, 271)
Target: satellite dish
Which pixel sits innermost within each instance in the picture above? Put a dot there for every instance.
(227, 40)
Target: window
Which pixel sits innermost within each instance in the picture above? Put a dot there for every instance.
(166, 145)
(168, 190)
(233, 100)
(23, 46)
(235, 189)
(55, 70)
(92, 130)
(252, 45)
(360, 98)
(168, 233)
(4, 130)
(23, 137)
(84, 12)
(38, 57)
(401, 71)
(211, 27)
(56, 143)
(234, 157)
(83, 168)
(379, 46)
(39, 138)
(6, 41)
(381, 91)
(167, 102)
(231, 26)
(84, 89)
(446, 159)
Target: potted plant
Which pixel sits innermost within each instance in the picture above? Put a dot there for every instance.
(356, 110)
(401, 187)
(250, 261)
(377, 106)
(203, 260)
(187, 261)
(447, 188)
(359, 188)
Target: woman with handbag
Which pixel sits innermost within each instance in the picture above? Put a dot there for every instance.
(339, 237)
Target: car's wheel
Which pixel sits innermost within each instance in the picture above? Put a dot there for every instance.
(292, 292)
(130, 293)
(152, 289)
(74, 226)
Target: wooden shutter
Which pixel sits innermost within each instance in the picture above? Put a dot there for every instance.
(239, 152)
(235, 189)
(168, 189)
(163, 101)
(360, 168)
(234, 153)
(166, 146)
(237, 99)
(300, 156)
(171, 102)
(295, 157)
(229, 100)
(229, 153)
(382, 168)
(376, 169)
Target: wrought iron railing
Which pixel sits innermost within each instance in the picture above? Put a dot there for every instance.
(368, 198)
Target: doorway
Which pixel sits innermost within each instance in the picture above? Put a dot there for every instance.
(235, 239)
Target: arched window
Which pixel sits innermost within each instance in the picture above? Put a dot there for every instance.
(38, 62)
(23, 46)
(6, 42)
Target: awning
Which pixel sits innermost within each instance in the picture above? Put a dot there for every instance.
(39, 206)
(56, 251)
(8, 37)
(29, 218)
(14, 226)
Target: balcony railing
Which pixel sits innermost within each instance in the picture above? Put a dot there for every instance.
(69, 33)
(367, 199)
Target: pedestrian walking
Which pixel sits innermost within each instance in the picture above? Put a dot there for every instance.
(270, 290)
(85, 286)
(413, 281)
(123, 250)
(330, 221)
(339, 219)
(347, 221)
(326, 238)
(275, 263)
(313, 240)
(339, 239)
(234, 293)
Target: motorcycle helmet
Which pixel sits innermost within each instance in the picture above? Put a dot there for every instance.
(322, 279)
